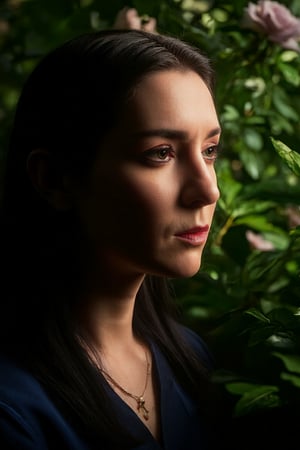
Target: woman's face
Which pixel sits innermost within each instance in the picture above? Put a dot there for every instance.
(151, 195)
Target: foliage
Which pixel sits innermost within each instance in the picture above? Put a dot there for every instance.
(245, 301)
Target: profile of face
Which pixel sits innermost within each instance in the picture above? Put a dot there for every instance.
(150, 199)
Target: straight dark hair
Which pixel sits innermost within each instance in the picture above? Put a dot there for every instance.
(67, 106)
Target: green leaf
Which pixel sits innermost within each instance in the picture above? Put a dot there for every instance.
(228, 185)
(262, 267)
(290, 73)
(251, 207)
(254, 397)
(281, 103)
(253, 139)
(260, 335)
(240, 388)
(293, 379)
(230, 113)
(264, 397)
(291, 157)
(258, 315)
(289, 55)
(291, 362)
(252, 164)
(259, 223)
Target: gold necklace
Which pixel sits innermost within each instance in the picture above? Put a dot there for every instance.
(141, 404)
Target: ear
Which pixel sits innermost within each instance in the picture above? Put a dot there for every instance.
(47, 179)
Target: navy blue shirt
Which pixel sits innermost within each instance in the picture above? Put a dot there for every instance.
(29, 420)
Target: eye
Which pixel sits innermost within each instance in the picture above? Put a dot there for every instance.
(211, 153)
(160, 154)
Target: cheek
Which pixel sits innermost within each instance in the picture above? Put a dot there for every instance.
(210, 212)
(132, 203)
(144, 197)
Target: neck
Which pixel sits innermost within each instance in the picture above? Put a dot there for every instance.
(106, 312)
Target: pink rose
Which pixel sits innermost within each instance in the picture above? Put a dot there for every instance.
(275, 21)
(257, 242)
(128, 18)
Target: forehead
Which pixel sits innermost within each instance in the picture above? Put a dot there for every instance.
(170, 96)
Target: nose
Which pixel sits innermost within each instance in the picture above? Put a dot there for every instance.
(200, 186)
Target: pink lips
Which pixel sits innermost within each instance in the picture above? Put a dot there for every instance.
(194, 236)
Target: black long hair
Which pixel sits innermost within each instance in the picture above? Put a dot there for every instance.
(68, 104)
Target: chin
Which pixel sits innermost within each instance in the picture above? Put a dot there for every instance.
(190, 273)
(186, 270)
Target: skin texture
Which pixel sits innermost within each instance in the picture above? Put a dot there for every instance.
(154, 178)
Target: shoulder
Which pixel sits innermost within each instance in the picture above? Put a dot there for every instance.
(18, 388)
(28, 418)
(20, 396)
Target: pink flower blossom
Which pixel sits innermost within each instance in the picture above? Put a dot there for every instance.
(293, 215)
(257, 242)
(275, 21)
(128, 18)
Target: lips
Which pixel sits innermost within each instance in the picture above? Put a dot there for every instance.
(194, 236)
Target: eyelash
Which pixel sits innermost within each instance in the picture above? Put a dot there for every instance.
(210, 153)
(150, 154)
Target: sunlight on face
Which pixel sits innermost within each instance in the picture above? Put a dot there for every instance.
(152, 193)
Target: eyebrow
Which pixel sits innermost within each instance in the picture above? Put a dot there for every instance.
(172, 134)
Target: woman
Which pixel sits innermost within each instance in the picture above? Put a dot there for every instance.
(110, 191)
